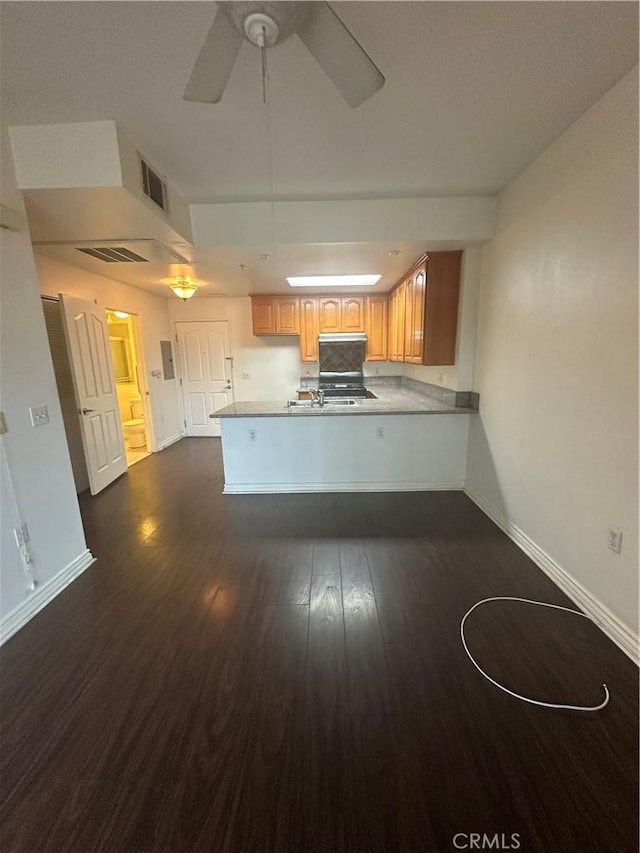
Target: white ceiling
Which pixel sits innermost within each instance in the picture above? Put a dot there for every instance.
(474, 91)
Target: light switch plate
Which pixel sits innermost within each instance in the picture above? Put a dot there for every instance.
(39, 415)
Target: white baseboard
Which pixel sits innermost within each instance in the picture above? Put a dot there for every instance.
(616, 630)
(310, 488)
(42, 595)
(169, 441)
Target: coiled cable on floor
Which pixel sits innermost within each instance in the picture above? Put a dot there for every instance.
(506, 689)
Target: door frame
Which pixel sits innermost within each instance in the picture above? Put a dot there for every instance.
(143, 385)
(179, 365)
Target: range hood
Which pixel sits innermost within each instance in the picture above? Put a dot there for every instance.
(338, 337)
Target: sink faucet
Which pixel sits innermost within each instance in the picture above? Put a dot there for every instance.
(314, 394)
(321, 397)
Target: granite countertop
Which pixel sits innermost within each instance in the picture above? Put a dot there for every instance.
(392, 399)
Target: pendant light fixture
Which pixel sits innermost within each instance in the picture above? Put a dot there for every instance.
(183, 288)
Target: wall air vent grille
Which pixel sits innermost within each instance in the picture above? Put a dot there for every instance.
(114, 255)
(153, 186)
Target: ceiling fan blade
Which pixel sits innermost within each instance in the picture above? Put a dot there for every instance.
(339, 55)
(215, 62)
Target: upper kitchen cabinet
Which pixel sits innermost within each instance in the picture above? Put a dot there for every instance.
(341, 314)
(329, 314)
(414, 316)
(376, 327)
(275, 315)
(423, 312)
(441, 298)
(353, 314)
(309, 328)
(395, 325)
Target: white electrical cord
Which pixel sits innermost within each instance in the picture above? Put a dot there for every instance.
(505, 689)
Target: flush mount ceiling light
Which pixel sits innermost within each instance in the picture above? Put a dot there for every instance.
(121, 315)
(333, 280)
(183, 288)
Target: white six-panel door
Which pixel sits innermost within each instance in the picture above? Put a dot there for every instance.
(93, 378)
(205, 373)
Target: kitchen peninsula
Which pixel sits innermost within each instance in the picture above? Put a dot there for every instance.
(411, 437)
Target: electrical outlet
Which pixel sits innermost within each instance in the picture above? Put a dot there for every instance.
(377, 371)
(253, 435)
(39, 415)
(614, 540)
(379, 432)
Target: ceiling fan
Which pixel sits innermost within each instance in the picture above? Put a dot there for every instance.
(266, 24)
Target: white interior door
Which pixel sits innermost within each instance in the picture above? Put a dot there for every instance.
(205, 373)
(95, 388)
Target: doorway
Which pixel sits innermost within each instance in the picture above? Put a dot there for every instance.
(129, 379)
(206, 372)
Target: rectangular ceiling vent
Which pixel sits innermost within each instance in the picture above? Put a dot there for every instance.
(153, 186)
(114, 255)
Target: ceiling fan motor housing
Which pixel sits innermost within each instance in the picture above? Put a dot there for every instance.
(274, 22)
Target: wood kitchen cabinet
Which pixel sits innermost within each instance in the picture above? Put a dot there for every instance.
(442, 294)
(308, 328)
(353, 314)
(329, 314)
(341, 314)
(396, 323)
(423, 312)
(376, 327)
(275, 315)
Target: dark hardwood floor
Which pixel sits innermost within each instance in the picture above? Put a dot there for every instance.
(285, 673)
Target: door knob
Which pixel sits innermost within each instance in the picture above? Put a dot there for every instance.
(86, 411)
(227, 388)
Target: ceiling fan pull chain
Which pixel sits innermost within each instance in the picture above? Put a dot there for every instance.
(263, 50)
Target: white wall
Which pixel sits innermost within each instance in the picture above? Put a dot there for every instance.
(555, 448)
(272, 363)
(152, 311)
(38, 458)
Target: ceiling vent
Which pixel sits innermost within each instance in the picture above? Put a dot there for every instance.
(153, 186)
(114, 255)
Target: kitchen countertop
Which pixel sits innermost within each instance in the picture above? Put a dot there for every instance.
(391, 400)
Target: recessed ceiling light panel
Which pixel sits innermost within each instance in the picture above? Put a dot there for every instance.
(333, 280)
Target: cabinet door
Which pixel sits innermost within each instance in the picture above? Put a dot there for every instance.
(391, 322)
(401, 320)
(330, 314)
(308, 329)
(407, 342)
(441, 311)
(263, 315)
(287, 318)
(353, 314)
(376, 328)
(415, 353)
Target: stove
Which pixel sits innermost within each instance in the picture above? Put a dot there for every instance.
(342, 389)
(341, 358)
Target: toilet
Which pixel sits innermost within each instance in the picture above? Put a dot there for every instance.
(134, 429)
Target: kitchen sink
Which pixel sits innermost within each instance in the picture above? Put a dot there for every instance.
(331, 403)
